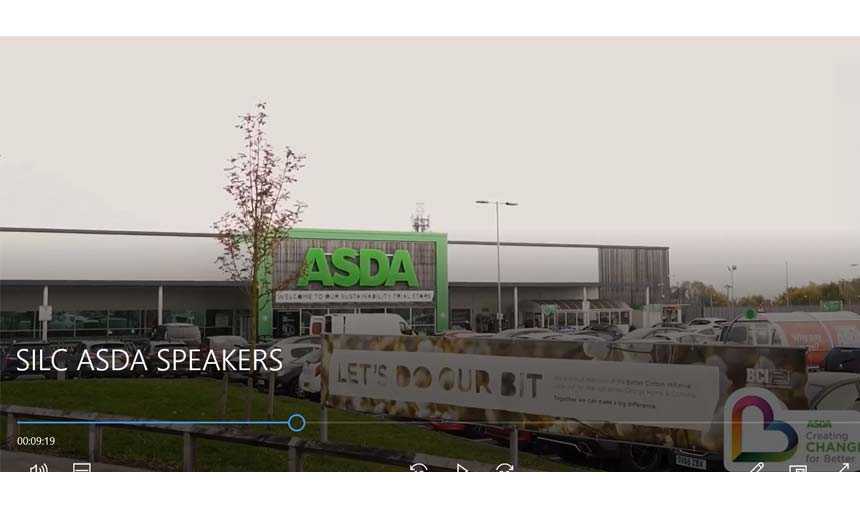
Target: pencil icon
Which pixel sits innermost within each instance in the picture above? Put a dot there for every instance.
(758, 467)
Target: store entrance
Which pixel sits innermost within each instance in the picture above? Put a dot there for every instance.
(291, 322)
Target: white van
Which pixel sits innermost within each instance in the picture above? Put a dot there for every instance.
(363, 324)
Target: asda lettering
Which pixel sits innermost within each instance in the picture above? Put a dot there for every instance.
(367, 267)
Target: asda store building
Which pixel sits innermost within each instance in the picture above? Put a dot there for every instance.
(122, 283)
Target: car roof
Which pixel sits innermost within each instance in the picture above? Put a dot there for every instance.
(296, 345)
(830, 378)
(516, 331)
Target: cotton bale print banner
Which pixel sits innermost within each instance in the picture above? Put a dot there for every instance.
(657, 393)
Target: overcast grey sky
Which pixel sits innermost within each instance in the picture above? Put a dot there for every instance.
(740, 151)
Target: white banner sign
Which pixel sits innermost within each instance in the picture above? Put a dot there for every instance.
(337, 297)
(663, 395)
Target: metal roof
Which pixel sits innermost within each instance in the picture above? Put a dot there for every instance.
(524, 284)
(803, 316)
(155, 233)
(117, 283)
(575, 305)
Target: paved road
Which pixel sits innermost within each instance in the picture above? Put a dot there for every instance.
(19, 461)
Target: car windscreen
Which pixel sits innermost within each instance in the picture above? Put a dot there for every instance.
(30, 349)
(183, 332)
(93, 348)
(312, 357)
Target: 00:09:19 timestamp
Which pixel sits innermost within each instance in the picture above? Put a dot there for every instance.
(35, 440)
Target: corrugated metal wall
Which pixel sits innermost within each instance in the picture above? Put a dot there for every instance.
(626, 272)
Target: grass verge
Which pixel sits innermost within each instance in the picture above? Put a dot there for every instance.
(197, 400)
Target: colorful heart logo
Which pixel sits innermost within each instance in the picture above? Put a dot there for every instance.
(768, 424)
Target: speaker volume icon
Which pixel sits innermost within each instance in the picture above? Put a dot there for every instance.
(36, 468)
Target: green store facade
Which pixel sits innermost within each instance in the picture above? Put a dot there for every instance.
(316, 272)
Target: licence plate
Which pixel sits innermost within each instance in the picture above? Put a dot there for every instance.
(691, 462)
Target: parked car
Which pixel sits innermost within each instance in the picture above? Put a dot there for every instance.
(842, 359)
(459, 333)
(711, 333)
(288, 376)
(178, 369)
(309, 379)
(94, 348)
(833, 391)
(581, 337)
(550, 335)
(676, 325)
(12, 368)
(588, 334)
(519, 333)
(706, 322)
(287, 352)
(647, 333)
(222, 345)
(682, 337)
(177, 332)
(608, 329)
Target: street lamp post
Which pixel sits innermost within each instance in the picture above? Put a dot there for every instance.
(732, 269)
(499, 315)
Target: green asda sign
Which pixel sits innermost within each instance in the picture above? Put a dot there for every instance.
(367, 267)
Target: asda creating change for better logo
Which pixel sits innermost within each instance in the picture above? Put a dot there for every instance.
(366, 267)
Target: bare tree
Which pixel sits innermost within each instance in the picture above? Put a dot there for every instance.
(259, 182)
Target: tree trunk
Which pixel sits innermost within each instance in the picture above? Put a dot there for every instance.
(255, 310)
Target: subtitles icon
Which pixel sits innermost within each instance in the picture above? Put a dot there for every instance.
(797, 469)
(82, 467)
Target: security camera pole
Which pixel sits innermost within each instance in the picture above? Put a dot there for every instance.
(499, 315)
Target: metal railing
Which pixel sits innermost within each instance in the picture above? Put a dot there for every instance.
(296, 447)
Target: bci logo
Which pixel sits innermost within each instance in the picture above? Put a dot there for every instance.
(769, 377)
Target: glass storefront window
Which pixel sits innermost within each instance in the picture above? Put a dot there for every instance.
(461, 318)
(18, 324)
(183, 316)
(367, 310)
(90, 323)
(347, 310)
(218, 322)
(150, 319)
(424, 320)
(125, 323)
(404, 312)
